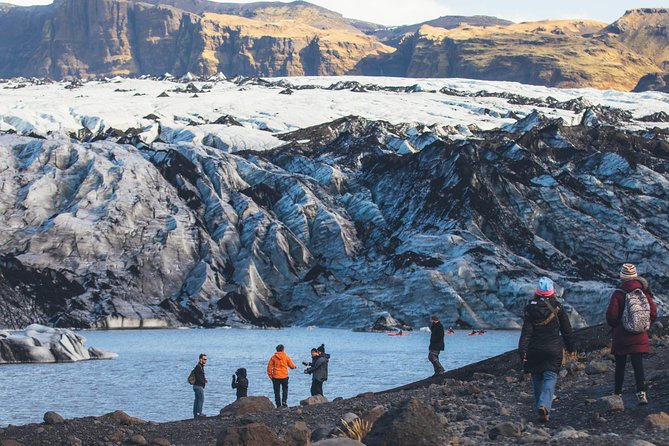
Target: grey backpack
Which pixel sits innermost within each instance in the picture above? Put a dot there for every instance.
(636, 314)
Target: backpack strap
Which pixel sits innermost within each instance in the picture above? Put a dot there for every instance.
(553, 315)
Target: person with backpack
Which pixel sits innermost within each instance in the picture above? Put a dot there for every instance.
(277, 370)
(240, 382)
(198, 379)
(630, 313)
(318, 369)
(541, 347)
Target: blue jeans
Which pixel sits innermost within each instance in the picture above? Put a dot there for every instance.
(544, 388)
(199, 400)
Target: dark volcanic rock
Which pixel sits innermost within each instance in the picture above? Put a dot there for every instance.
(247, 405)
(254, 434)
(414, 423)
(53, 418)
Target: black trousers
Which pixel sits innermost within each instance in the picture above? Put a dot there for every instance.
(280, 390)
(316, 387)
(637, 365)
(433, 357)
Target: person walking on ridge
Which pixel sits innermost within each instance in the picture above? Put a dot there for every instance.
(630, 312)
(198, 386)
(436, 345)
(540, 346)
(277, 370)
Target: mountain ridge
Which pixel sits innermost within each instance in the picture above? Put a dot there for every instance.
(82, 38)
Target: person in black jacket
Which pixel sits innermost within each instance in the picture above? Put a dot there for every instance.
(198, 387)
(436, 344)
(540, 345)
(318, 369)
(240, 382)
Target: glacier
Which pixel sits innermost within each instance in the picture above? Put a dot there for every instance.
(350, 200)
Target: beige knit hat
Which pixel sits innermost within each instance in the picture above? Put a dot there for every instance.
(628, 271)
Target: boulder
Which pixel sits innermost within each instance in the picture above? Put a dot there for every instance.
(254, 434)
(609, 403)
(321, 433)
(298, 434)
(10, 442)
(247, 405)
(374, 414)
(53, 418)
(338, 442)
(123, 418)
(505, 429)
(138, 439)
(639, 442)
(313, 400)
(74, 441)
(414, 423)
(598, 366)
(569, 432)
(657, 421)
(160, 441)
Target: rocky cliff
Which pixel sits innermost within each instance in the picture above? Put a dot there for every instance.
(83, 38)
(553, 53)
(174, 221)
(86, 38)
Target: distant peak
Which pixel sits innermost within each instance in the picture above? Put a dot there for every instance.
(647, 11)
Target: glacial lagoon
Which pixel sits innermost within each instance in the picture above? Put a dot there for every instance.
(148, 380)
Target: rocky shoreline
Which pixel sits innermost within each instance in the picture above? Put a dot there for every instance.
(483, 403)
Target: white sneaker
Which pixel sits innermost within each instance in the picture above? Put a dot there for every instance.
(641, 397)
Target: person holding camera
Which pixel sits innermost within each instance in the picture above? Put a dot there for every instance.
(318, 369)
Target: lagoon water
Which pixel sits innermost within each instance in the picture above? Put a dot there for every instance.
(148, 380)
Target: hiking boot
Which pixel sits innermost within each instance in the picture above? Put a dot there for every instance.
(543, 414)
(284, 404)
(641, 397)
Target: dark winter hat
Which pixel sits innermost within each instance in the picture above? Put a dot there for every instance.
(314, 350)
(279, 348)
(321, 348)
(628, 271)
(544, 287)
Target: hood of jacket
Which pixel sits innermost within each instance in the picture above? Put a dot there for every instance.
(280, 355)
(633, 284)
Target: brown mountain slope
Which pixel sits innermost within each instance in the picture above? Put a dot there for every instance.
(553, 53)
(645, 31)
(93, 37)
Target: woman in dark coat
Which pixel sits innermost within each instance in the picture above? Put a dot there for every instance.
(540, 345)
(626, 343)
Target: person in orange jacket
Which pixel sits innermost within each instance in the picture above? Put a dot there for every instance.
(277, 370)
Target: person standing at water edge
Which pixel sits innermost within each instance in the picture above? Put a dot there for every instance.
(240, 382)
(630, 331)
(277, 370)
(436, 344)
(198, 387)
(318, 369)
(540, 345)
